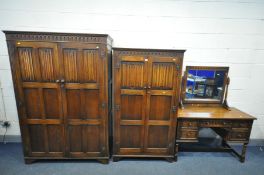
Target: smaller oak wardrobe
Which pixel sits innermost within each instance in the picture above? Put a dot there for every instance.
(146, 91)
(61, 87)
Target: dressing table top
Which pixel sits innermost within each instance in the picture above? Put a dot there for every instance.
(216, 112)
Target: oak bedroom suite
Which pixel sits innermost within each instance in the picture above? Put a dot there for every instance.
(131, 87)
(79, 98)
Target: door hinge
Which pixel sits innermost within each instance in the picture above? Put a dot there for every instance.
(117, 107)
(178, 67)
(174, 108)
(103, 105)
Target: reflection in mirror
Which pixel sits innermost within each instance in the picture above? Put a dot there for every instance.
(204, 84)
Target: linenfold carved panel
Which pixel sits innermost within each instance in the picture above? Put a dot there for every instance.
(90, 63)
(132, 74)
(46, 64)
(70, 65)
(162, 75)
(26, 64)
(80, 67)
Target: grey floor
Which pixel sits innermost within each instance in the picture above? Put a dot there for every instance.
(11, 163)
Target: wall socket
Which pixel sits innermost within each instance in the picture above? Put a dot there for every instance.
(5, 124)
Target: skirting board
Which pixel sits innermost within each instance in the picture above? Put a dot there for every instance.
(17, 138)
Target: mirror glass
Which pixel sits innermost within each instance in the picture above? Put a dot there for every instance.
(205, 84)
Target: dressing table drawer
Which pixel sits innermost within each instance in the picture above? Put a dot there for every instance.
(188, 124)
(215, 123)
(187, 134)
(241, 124)
(239, 135)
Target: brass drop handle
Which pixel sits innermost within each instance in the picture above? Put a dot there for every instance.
(62, 81)
(149, 87)
(145, 87)
(57, 81)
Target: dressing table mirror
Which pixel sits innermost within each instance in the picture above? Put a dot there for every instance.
(205, 85)
(203, 104)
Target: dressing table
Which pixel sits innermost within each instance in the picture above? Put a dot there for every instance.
(204, 105)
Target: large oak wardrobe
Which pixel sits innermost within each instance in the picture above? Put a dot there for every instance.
(61, 83)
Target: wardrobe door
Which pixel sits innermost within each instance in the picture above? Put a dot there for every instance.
(84, 100)
(38, 95)
(160, 109)
(130, 77)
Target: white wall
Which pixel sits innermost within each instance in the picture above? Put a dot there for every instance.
(214, 32)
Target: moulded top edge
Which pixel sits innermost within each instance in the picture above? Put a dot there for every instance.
(147, 49)
(7, 32)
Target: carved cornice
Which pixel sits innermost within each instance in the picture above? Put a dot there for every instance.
(153, 52)
(57, 37)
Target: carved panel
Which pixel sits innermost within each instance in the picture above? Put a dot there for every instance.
(93, 138)
(26, 64)
(157, 136)
(130, 139)
(55, 138)
(51, 103)
(46, 64)
(90, 63)
(82, 104)
(162, 75)
(32, 105)
(70, 65)
(160, 107)
(75, 142)
(36, 136)
(132, 75)
(131, 108)
(88, 140)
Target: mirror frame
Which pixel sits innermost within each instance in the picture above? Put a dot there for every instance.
(205, 101)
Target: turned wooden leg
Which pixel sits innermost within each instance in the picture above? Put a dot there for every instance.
(29, 161)
(103, 161)
(243, 155)
(116, 159)
(176, 152)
